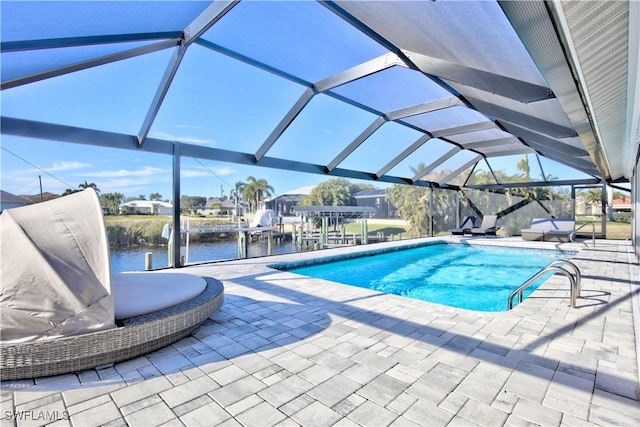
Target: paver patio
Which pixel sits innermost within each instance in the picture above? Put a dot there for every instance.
(290, 350)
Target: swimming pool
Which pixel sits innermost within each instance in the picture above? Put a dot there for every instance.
(465, 276)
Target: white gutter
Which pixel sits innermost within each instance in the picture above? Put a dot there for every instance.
(632, 134)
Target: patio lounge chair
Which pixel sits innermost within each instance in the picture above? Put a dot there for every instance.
(465, 226)
(488, 226)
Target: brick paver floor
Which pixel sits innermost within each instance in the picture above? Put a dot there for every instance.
(288, 350)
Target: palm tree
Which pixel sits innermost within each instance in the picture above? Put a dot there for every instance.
(86, 185)
(523, 165)
(413, 204)
(255, 190)
(425, 209)
(592, 196)
(236, 194)
(112, 201)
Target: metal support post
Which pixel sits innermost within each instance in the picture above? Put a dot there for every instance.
(430, 211)
(293, 234)
(458, 213)
(365, 231)
(324, 238)
(243, 244)
(175, 232)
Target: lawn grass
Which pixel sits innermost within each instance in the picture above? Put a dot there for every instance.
(616, 230)
(375, 228)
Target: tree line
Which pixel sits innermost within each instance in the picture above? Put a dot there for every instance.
(414, 203)
(253, 192)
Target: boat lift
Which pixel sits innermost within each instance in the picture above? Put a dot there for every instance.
(338, 214)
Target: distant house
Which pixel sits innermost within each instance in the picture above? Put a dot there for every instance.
(216, 206)
(41, 197)
(146, 207)
(282, 204)
(583, 207)
(10, 201)
(376, 199)
(622, 205)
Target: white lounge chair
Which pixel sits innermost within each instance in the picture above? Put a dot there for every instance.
(465, 226)
(488, 226)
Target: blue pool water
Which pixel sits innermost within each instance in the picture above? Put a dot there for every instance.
(470, 277)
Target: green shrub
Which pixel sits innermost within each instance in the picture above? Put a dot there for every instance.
(622, 216)
(147, 231)
(133, 233)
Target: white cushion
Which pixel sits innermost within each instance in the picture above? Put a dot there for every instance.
(138, 293)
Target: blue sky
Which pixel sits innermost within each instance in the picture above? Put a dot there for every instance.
(213, 101)
(62, 166)
(219, 102)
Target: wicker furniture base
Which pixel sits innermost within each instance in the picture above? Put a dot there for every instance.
(139, 335)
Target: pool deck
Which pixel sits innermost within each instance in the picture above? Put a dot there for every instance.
(290, 350)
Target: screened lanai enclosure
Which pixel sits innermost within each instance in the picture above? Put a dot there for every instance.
(498, 107)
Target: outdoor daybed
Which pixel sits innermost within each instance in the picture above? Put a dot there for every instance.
(135, 337)
(550, 230)
(62, 310)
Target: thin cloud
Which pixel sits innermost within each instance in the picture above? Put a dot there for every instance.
(66, 166)
(192, 127)
(202, 171)
(223, 170)
(194, 173)
(124, 173)
(187, 139)
(132, 186)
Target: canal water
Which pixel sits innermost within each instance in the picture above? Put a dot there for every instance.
(132, 259)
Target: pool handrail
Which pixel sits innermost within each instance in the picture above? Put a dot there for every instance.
(576, 270)
(552, 266)
(593, 231)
